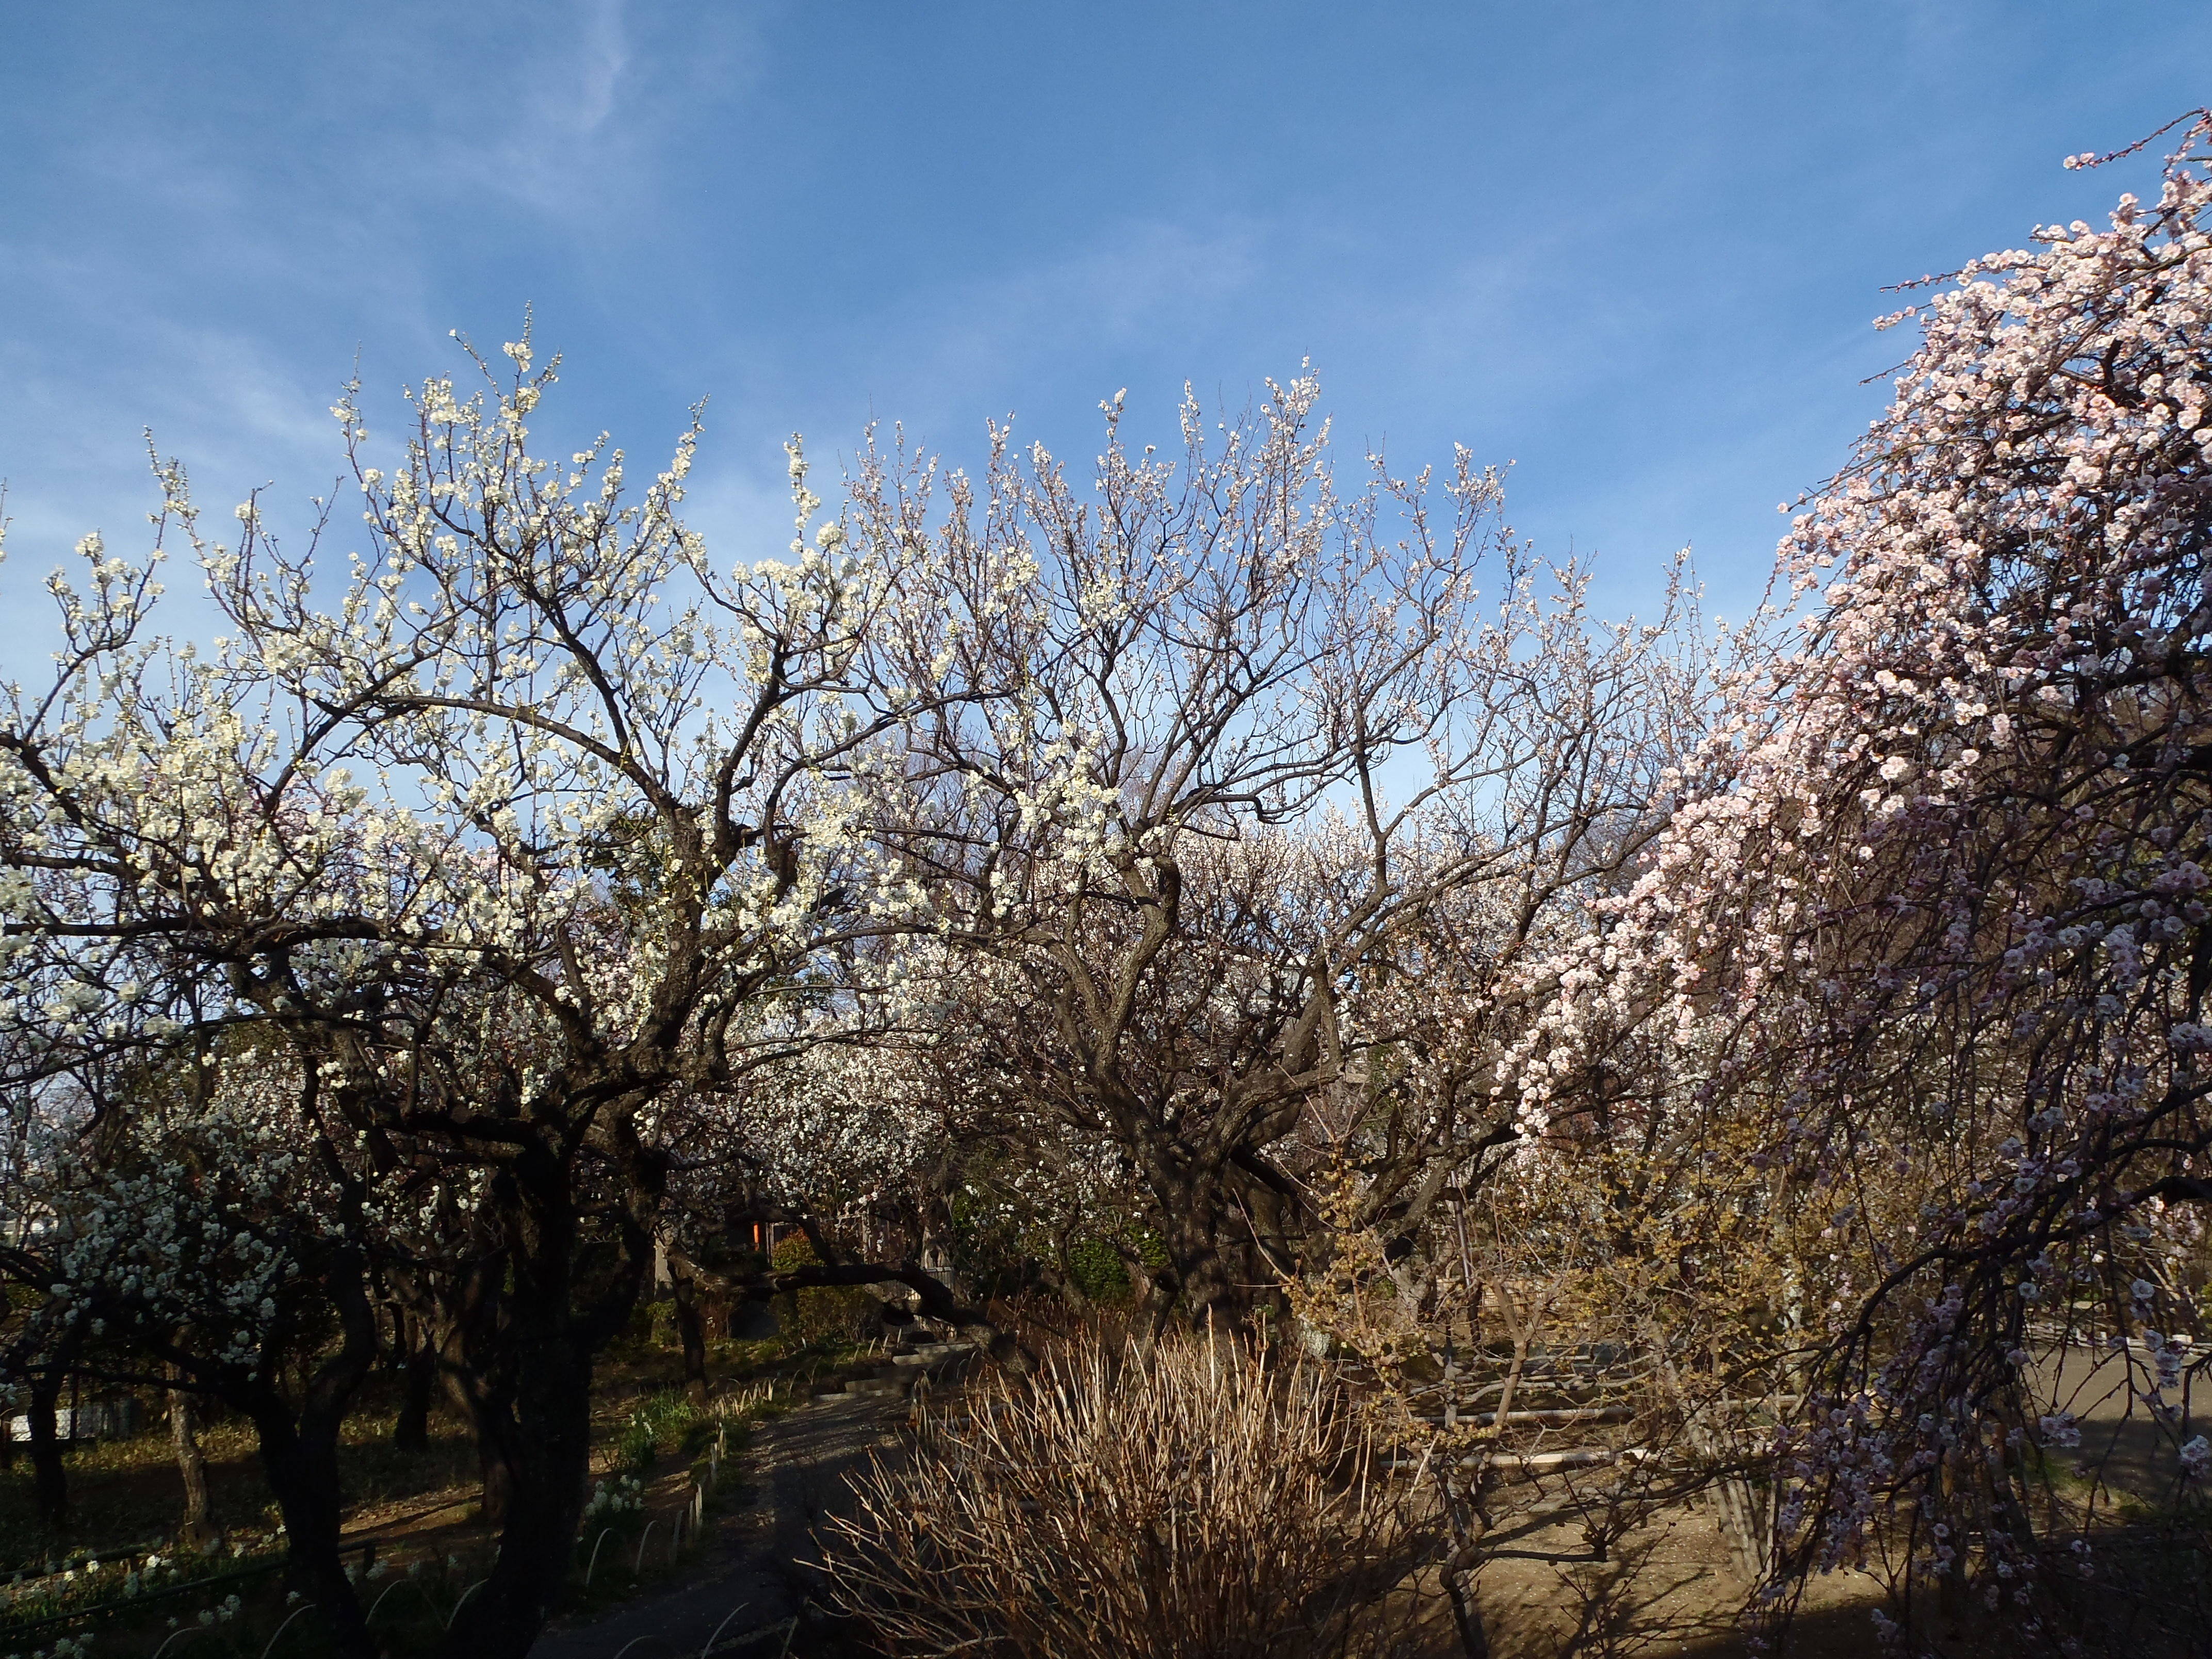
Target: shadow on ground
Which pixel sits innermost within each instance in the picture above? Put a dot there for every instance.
(757, 1573)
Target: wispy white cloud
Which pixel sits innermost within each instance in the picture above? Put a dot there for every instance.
(1633, 248)
(933, 353)
(604, 49)
(582, 115)
(554, 143)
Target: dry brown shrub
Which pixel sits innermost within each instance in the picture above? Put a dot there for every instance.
(1201, 1502)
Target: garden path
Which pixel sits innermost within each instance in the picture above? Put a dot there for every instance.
(759, 1554)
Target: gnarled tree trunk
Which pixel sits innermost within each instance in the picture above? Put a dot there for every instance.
(535, 1418)
(691, 1330)
(418, 1383)
(195, 1531)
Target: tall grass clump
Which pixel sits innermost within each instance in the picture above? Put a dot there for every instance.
(1203, 1501)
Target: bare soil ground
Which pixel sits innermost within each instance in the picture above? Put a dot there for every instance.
(1669, 1591)
(420, 1509)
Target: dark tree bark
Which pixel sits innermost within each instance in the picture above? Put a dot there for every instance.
(299, 1458)
(50, 1482)
(692, 1328)
(466, 1392)
(195, 1531)
(461, 1326)
(1213, 1293)
(299, 1447)
(969, 1324)
(536, 1414)
(415, 1339)
(418, 1383)
(1057, 1271)
(936, 1253)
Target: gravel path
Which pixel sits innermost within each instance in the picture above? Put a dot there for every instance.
(794, 1474)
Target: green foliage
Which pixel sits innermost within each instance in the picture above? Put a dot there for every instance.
(84, 1584)
(819, 1315)
(795, 1251)
(1152, 1248)
(660, 1423)
(127, 1607)
(991, 1251)
(1097, 1269)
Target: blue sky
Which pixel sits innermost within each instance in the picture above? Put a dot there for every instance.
(1633, 248)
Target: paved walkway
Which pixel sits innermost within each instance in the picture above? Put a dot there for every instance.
(794, 1471)
(2131, 1454)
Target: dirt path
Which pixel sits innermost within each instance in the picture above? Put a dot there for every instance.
(794, 1474)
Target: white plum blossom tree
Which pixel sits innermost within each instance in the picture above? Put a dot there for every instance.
(1236, 743)
(448, 882)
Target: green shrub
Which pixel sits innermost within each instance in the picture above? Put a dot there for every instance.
(1097, 1270)
(820, 1314)
(992, 1254)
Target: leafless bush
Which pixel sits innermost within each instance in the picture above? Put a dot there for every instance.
(1199, 1500)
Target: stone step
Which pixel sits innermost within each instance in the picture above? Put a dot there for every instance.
(866, 1388)
(949, 1357)
(924, 1359)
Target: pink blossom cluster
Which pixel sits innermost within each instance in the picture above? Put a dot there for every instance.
(1928, 913)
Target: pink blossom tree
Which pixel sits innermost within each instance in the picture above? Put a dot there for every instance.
(1930, 914)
